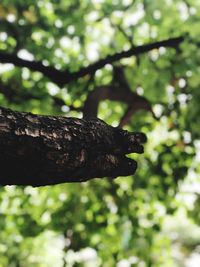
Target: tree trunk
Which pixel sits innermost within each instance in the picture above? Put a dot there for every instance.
(44, 150)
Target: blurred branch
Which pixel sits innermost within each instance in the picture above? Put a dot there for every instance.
(11, 94)
(15, 96)
(118, 91)
(123, 32)
(134, 101)
(106, 13)
(49, 71)
(64, 77)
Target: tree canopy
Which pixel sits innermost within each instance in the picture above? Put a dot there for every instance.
(132, 63)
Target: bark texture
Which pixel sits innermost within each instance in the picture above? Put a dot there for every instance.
(44, 150)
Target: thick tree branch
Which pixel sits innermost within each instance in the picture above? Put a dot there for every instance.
(64, 77)
(43, 150)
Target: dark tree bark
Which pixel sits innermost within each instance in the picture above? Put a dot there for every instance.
(44, 150)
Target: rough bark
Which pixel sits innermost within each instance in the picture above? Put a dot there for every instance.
(43, 150)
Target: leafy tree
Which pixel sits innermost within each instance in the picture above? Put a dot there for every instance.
(136, 65)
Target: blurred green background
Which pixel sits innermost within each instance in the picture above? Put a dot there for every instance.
(149, 219)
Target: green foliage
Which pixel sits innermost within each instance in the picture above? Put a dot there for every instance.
(103, 222)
